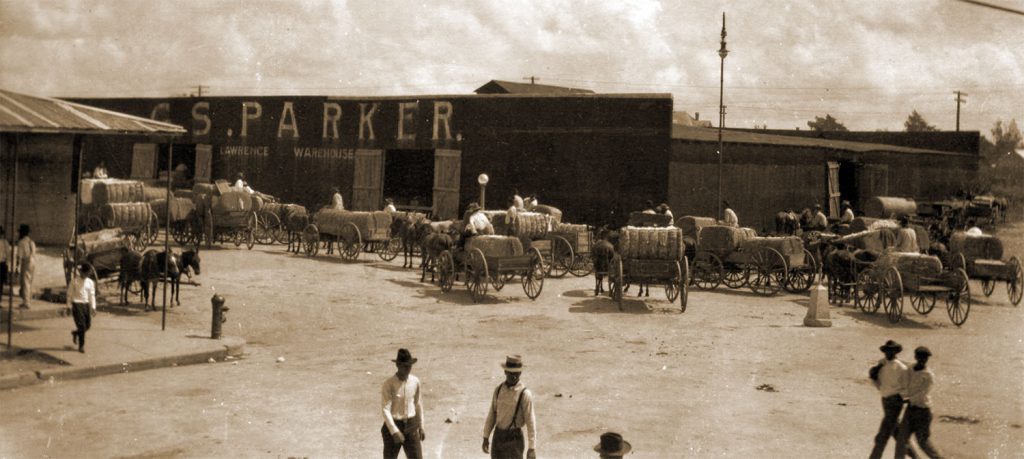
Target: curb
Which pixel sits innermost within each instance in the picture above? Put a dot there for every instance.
(35, 314)
(232, 346)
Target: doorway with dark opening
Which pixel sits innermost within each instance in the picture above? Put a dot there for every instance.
(848, 189)
(409, 178)
(183, 167)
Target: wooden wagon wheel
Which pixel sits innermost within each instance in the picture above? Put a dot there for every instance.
(477, 275)
(988, 286)
(350, 241)
(923, 302)
(498, 280)
(865, 291)
(959, 262)
(93, 223)
(446, 271)
(562, 257)
(684, 283)
(891, 294)
(735, 276)
(252, 224)
(1015, 285)
(582, 265)
(958, 302)
(311, 240)
(802, 278)
(388, 249)
(771, 272)
(269, 225)
(208, 228)
(707, 271)
(616, 277)
(672, 285)
(533, 278)
(153, 227)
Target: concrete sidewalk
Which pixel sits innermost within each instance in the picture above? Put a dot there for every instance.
(114, 344)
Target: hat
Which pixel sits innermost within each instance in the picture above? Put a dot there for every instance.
(817, 206)
(922, 350)
(404, 357)
(613, 444)
(891, 346)
(472, 207)
(513, 363)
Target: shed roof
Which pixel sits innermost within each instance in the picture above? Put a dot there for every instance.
(24, 113)
(699, 134)
(509, 87)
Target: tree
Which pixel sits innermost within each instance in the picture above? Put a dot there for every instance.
(916, 123)
(1004, 140)
(828, 123)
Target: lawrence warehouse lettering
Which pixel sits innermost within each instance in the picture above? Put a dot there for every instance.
(245, 151)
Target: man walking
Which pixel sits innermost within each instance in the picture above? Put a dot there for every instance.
(918, 418)
(82, 301)
(403, 410)
(511, 411)
(891, 380)
(25, 264)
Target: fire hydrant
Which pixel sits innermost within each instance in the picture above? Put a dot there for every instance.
(218, 315)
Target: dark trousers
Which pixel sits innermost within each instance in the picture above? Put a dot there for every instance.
(3, 278)
(410, 428)
(916, 421)
(508, 444)
(83, 320)
(891, 406)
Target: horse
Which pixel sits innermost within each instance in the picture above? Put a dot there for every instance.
(602, 252)
(131, 271)
(434, 239)
(406, 228)
(296, 221)
(152, 269)
(785, 224)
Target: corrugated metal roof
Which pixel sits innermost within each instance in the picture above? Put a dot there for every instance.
(711, 135)
(23, 113)
(509, 87)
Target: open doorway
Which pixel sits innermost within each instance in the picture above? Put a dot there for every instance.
(409, 178)
(848, 185)
(183, 168)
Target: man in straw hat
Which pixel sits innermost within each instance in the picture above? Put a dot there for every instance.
(891, 380)
(612, 446)
(511, 411)
(403, 410)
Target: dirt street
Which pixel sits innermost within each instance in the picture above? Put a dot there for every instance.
(736, 375)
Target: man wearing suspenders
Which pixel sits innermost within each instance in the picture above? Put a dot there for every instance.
(511, 412)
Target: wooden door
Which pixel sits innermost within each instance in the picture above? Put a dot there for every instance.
(367, 185)
(204, 159)
(143, 161)
(447, 170)
(834, 195)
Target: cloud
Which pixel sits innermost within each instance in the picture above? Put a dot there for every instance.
(869, 63)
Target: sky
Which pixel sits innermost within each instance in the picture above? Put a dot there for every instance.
(868, 63)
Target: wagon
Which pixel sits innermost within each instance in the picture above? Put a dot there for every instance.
(981, 258)
(651, 256)
(102, 250)
(535, 231)
(884, 284)
(228, 217)
(492, 261)
(136, 219)
(578, 239)
(738, 258)
(185, 222)
(276, 223)
(354, 233)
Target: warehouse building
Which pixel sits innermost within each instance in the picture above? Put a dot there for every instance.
(42, 143)
(765, 173)
(597, 156)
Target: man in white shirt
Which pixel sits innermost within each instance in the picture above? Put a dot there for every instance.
(847, 216)
(906, 238)
(337, 202)
(891, 381)
(511, 217)
(402, 406)
(478, 221)
(729, 217)
(25, 264)
(518, 200)
(511, 411)
(389, 205)
(82, 301)
(918, 419)
(241, 184)
(819, 222)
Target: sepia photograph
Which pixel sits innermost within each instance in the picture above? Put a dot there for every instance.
(352, 229)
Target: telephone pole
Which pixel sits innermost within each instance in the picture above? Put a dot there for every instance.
(959, 99)
(722, 52)
(532, 79)
(200, 91)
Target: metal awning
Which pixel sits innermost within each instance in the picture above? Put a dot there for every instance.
(43, 115)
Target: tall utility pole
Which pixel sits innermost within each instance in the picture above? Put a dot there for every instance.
(959, 99)
(200, 91)
(722, 52)
(533, 79)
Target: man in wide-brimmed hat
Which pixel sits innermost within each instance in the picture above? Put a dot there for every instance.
(891, 380)
(402, 406)
(612, 446)
(918, 419)
(511, 411)
(847, 216)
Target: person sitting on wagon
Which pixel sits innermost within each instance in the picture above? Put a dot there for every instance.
(972, 228)
(337, 202)
(847, 216)
(389, 205)
(100, 171)
(906, 238)
(478, 223)
(517, 200)
(819, 222)
(241, 184)
(511, 217)
(729, 217)
(649, 208)
(665, 210)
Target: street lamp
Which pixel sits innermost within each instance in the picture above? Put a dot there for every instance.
(722, 52)
(482, 179)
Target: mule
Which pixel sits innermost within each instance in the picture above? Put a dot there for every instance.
(152, 270)
(131, 271)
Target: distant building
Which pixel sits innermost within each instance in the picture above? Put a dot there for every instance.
(684, 119)
(509, 87)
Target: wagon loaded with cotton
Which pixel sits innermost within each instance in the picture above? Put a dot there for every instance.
(492, 261)
(102, 250)
(885, 282)
(114, 203)
(738, 257)
(354, 232)
(651, 256)
(228, 216)
(535, 230)
(981, 257)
